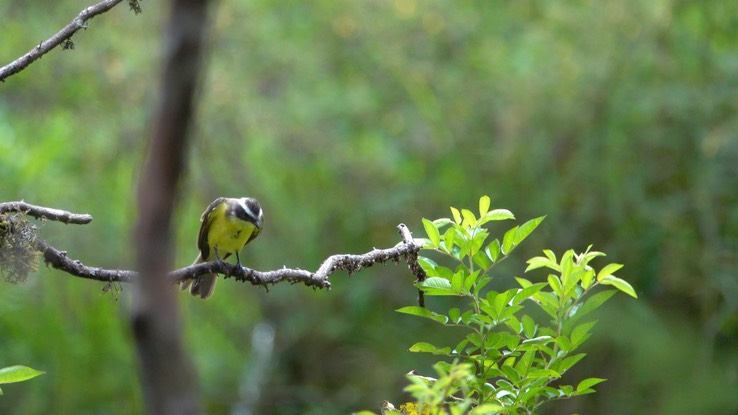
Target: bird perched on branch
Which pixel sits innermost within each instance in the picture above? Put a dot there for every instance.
(226, 226)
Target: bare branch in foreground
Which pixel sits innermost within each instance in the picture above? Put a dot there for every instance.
(62, 36)
(41, 212)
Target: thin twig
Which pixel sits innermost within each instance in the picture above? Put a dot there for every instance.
(60, 37)
(41, 212)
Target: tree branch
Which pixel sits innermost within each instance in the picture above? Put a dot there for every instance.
(59, 260)
(41, 212)
(351, 263)
(407, 249)
(60, 37)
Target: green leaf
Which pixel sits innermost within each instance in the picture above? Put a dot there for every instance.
(457, 281)
(444, 273)
(484, 202)
(608, 270)
(540, 262)
(448, 239)
(508, 240)
(526, 229)
(565, 364)
(489, 310)
(529, 326)
(548, 303)
(441, 222)
(588, 255)
(581, 333)
(538, 340)
(531, 393)
(620, 284)
(423, 347)
(423, 312)
(457, 216)
(460, 347)
(588, 383)
(493, 250)
(463, 241)
(509, 312)
(481, 283)
(437, 286)
(454, 314)
(513, 323)
(495, 215)
(527, 292)
(425, 243)
(550, 255)
(470, 280)
(487, 408)
(18, 373)
(477, 241)
(482, 259)
(510, 372)
(591, 304)
(474, 339)
(502, 299)
(567, 265)
(555, 284)
(564, 343)
(543, 373)
(525, 361)
(428, 265)
(466, 316)
(523, 282)
(469, 219)
(587, 277)
(432, 232)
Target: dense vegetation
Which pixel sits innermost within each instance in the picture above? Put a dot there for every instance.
(615, 119)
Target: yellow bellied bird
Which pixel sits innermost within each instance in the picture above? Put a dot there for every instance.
(226, 226)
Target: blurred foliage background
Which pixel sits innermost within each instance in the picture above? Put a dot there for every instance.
(617, 119)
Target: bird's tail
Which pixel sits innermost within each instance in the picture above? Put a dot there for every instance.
(202, 286)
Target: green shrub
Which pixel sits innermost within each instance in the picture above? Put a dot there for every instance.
(519, 342)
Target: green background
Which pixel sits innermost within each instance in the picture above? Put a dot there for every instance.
(616, 119)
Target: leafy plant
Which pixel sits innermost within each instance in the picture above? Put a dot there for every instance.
(511, 357)
(12, 374)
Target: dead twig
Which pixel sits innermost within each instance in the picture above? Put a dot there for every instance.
(62, 37)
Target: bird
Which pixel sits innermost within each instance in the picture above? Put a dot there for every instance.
(226, 226)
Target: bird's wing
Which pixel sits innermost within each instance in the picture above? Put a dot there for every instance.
(254, 234)
(205, 219)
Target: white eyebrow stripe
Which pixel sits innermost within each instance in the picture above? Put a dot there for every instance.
(246, 208)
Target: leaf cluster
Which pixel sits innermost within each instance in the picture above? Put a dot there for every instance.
(515, 352)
